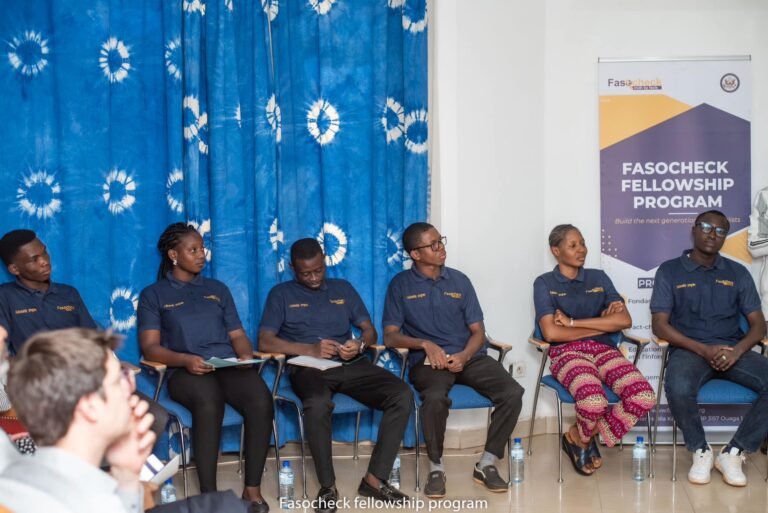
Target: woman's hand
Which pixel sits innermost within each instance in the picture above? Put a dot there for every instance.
(562, 320)
(196, 365)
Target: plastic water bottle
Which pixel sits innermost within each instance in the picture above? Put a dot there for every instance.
(394, 476)
(639, 460)
(517, 455)
(167, 492)
(286, 480)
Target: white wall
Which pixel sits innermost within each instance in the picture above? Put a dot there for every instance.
(515, 129)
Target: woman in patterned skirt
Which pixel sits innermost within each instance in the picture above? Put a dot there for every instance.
(579, 312)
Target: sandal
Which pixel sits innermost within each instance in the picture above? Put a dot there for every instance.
(593, 453)
(577, 455)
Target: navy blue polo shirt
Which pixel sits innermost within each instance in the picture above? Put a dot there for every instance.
(25, 311)
(705, 303)
(583, 297)
(193, 317)
(299, 314)
(439, 310)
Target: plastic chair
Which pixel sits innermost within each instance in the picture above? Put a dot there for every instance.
(564, 397)
(462, 397)
(282, 392)
(182, 417)
(714, 391)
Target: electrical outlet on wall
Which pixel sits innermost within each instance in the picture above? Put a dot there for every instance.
(518, 369)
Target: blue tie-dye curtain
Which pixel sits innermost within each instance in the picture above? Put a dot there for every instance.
(261, 122)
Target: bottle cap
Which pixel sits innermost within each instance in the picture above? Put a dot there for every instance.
(517, 440)
(286, 464)
(640, 439)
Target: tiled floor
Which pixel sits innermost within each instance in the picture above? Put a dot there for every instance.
(610, 490)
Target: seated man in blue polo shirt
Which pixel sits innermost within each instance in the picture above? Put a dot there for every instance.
(312, 316)
(433, 311)
(697, 302)
(33, 303)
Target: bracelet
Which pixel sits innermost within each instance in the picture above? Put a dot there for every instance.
(571, 322)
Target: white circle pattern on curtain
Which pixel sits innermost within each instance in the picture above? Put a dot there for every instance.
(193, 6)
(28, 53)
(416, 131)
(122, 308)
(271, 7)
(238, 116)
(409, 23)
(396, 256)
(323, 121)
(174, 191)
(277, 239)
(38, 195)
(322, 7)
(393, 120)
(119, 189)
(394, 4)
(173, 58)
(204, 229)
(195, 131)
(114, 60)
(274, 117)
(334, 242)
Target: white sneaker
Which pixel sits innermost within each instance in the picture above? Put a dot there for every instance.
(729, 464)
(702, 466)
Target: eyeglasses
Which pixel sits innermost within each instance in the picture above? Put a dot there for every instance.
(436, 245)
(707, 228)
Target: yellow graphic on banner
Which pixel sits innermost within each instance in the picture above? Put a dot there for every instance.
(624, 116)
(735, 246)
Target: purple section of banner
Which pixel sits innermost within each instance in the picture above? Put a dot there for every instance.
(656, 182)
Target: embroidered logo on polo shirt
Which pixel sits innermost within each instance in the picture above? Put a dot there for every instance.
(416, 296)
(299, 305)
(25, 311)
(725, 283)
(454, 295)
(685, 286)
(66, 308)
(174, 305)
(556, 293)
(337, 301)
(213, 297)
(595, 290)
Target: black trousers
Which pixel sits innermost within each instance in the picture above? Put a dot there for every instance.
(485, 375)
(205, 397)
(371, 385)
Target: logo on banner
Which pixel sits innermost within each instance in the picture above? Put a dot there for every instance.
(645, 283)
(729, 83)
(637, 84)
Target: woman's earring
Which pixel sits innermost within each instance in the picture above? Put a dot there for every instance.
(174, 262)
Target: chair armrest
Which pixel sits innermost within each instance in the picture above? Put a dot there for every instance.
(129, 366)
(763, 346)
(160, 369)
(402, 353)
(634, 340)
(539, 344)
(376, 351)
(499, 346)
(278, 359)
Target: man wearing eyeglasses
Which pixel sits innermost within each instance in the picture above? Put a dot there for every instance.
(433, 311)
(697, 304)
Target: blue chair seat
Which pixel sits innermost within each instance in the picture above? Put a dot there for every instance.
(550, 382)
(720, 391)
(462, 398)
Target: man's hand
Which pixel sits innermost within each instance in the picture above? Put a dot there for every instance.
(350, 349)
(325, 348)
(197, 366)
(561, 319)
(615, 307)
(725, 358)
(243, 357)
(127, 455)
(437, 357)
(717, 355)
(456, 362)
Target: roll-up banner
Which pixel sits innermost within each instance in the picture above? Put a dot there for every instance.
(674, 142)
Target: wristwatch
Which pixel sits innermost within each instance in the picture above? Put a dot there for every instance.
(362, 346)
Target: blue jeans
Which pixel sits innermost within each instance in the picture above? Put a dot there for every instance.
(687, 372)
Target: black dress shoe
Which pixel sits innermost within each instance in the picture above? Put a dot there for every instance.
(257, 506)
(385, 492)
(489, 476)
(327, 500)
(435, 487)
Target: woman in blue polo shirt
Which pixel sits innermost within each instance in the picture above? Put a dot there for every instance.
(579, 312)
(185, 319)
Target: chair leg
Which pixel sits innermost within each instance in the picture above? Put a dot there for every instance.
(651, 443)
(536, 401)
(184, 461)
(674, 451)
(242, 442)
(355, 455)
(303, 457)
(277, 454)
(509, 460)
(418, 446)
(559, 437)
